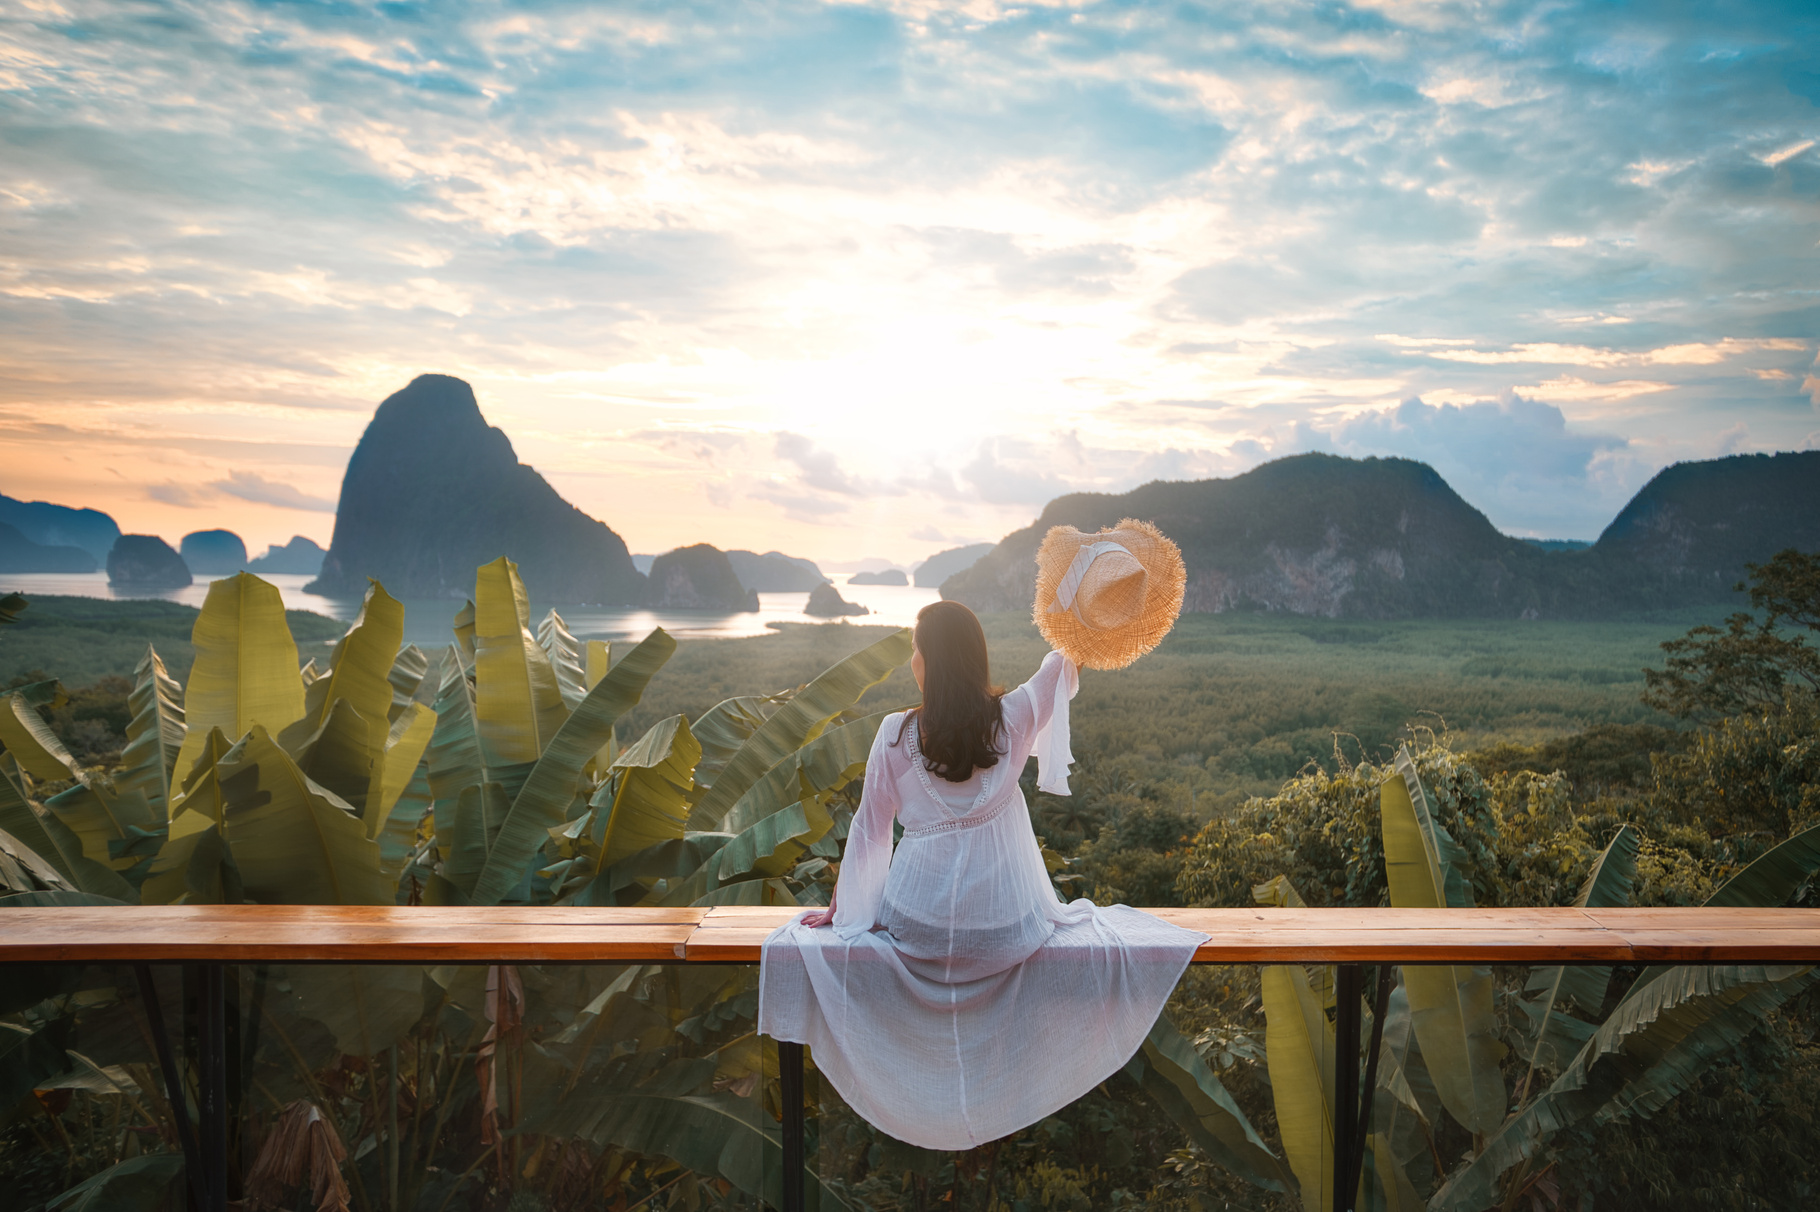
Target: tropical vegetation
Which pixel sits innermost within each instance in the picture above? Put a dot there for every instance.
(520, 765)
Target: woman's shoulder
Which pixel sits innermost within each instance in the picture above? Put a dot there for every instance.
(891, 730)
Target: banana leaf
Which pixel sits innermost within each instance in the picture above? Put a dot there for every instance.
(1191, 1094)
(366, 1007)
(1299, 1046)
(295, 842)
(1768, 882)
(518, 706)
(1558, 1036)
(30, 1058)
(821, 767)
(722, 729)
(1776, 874)
(455, 758)
(467, 836)
(340, 753)
(411, 681)
(245, 670)
(360, 668)
(648, 801)
(22, 872)
(798, 722)
(153, 736)
(399, 836)
(464, 635)
(1451, 1006)
(567, 658)
(399, 765)
(50, 841)
(671, 1113)
(675, 859)
(1650, 1047)
(550, 789)
(101, 820)
(141, 1184)
(32, 743)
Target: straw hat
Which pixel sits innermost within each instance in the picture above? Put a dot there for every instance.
(1106, 599)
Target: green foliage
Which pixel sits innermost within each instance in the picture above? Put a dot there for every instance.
(634, 1084)
(1751, 665)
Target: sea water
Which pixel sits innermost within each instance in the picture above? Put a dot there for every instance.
(427, 621)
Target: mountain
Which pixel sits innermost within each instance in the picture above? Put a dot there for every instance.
(1312, 534)
(213, 552)
(1317, 534)
(145, 561)
(943, 564)
(890, 576)
(432, 492)
(1691, 530)
(299, 557)
(775, 572)
(60, 526)
(697, 578)
(20, 554)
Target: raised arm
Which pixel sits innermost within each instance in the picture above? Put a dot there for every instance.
(861, 888)
(1041, 720)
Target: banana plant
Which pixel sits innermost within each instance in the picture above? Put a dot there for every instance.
(1672, 1023)
(1450, 1005)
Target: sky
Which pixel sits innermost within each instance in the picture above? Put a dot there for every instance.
(876, 279)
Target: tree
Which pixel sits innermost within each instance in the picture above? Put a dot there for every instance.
(1750, 665)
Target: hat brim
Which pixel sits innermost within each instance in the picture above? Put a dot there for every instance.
(1110, 648)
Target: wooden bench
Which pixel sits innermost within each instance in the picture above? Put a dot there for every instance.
(213, 936)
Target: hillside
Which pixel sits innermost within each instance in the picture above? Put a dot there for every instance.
(1326, 536)
(432, 492)
(1690, 531)
(697, 578)
(61, 526)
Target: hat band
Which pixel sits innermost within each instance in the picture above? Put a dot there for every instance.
(1077, 572)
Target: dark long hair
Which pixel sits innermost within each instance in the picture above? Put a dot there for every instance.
(960, 722)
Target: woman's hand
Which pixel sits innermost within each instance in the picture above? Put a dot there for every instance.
(821, 917)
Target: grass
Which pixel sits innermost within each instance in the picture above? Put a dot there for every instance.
(1238, 703)
(1231, 705)
(80, 641)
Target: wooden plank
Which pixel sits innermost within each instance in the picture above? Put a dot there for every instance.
(162, 916)
(1725, 918)
(734, 934)
(370, 934)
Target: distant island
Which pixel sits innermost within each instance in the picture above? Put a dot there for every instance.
(890, 576)
(825, 602)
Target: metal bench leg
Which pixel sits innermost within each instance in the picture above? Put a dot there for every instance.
(173, 1084)
(1348, 989)
(790, 1073)
(211, 1031)
(1352, 1114)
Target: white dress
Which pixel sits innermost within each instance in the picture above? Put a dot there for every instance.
(955, 999)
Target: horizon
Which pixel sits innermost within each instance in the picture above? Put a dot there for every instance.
(878, 280)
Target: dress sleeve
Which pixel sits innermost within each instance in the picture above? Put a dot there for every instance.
(861, 888)
(1049, 689)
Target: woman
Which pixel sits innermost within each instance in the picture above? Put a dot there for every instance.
(947, 993)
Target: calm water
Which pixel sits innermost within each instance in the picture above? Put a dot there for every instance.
(426, 622)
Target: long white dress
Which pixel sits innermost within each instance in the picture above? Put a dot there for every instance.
(955, 999)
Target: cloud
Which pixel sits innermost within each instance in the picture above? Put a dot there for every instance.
(180, 495)
(817, 468)
(251, 486)
(1514, 458)
(238, 234)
